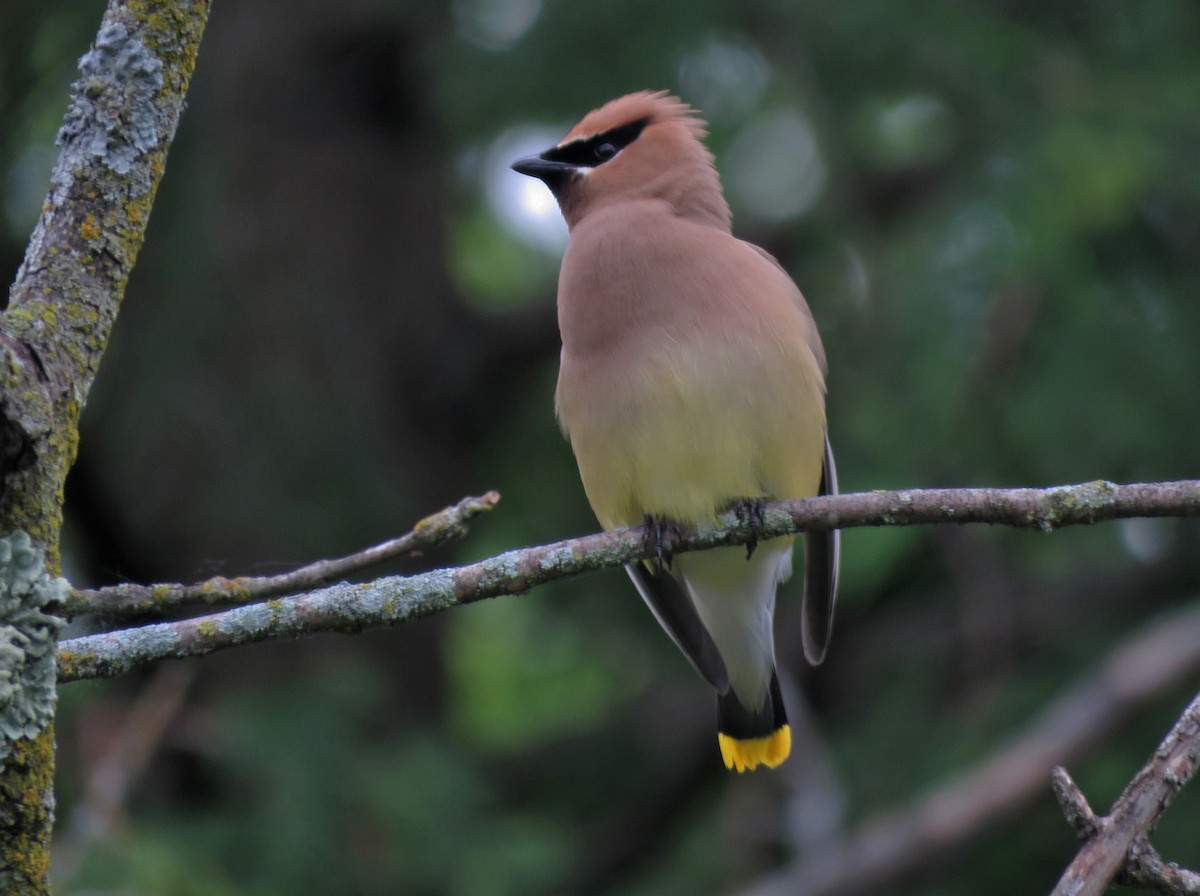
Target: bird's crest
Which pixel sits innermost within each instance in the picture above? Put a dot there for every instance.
(649, 106)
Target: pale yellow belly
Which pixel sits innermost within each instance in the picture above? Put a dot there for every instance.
(685, 435)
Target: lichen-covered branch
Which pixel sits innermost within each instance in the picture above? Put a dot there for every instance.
(123, 112)
(1118, 842)
(1031, 508)
(387, 601)
(135, 600)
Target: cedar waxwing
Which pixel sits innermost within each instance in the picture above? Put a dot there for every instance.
(691, 382)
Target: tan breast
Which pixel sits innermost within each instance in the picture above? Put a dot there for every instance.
(690, 373)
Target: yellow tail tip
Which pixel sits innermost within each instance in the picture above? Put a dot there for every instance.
(747, 755)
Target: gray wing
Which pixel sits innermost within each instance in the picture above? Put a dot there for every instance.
(822, 556)
(673, 609)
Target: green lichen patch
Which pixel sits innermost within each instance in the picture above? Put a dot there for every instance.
(113, 114)
(28, 635)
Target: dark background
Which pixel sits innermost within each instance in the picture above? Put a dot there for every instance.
(334, 330)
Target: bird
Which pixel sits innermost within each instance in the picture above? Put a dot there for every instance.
(691, 383)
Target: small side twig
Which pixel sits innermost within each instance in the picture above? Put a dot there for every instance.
(137, 600)
(1074, 804)
(1118, 841)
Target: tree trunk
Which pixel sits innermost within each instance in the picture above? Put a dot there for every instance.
(114, 140)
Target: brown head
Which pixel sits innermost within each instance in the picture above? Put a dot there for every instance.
(645, 145)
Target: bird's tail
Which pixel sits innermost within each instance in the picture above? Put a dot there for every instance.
(753, 737)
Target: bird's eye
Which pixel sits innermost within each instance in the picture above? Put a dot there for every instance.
(605, 151)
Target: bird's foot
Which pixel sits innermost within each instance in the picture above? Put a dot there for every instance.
(659, 535)
(749, 512)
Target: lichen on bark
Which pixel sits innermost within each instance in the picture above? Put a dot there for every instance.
(28, 635)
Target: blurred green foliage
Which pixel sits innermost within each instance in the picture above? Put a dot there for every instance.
(994, 209)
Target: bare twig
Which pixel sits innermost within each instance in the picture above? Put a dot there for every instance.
(893, 845)
(114, 774)
(1074, 804)
(387, 601)
(130, 599)
(1134, 815)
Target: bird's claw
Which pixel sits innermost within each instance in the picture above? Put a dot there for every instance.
(658, 538)
(749, 512)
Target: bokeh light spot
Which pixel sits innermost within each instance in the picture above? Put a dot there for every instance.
(775, 168)
(523, 205)
(495, 24)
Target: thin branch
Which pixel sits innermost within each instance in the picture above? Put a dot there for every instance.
(1030, 508)
(897, 843)
(1135, 813)
(101, 808)
(133, 600)
(387, 601)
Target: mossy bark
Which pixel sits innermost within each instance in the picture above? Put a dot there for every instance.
(123, 112)
(27, 806)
